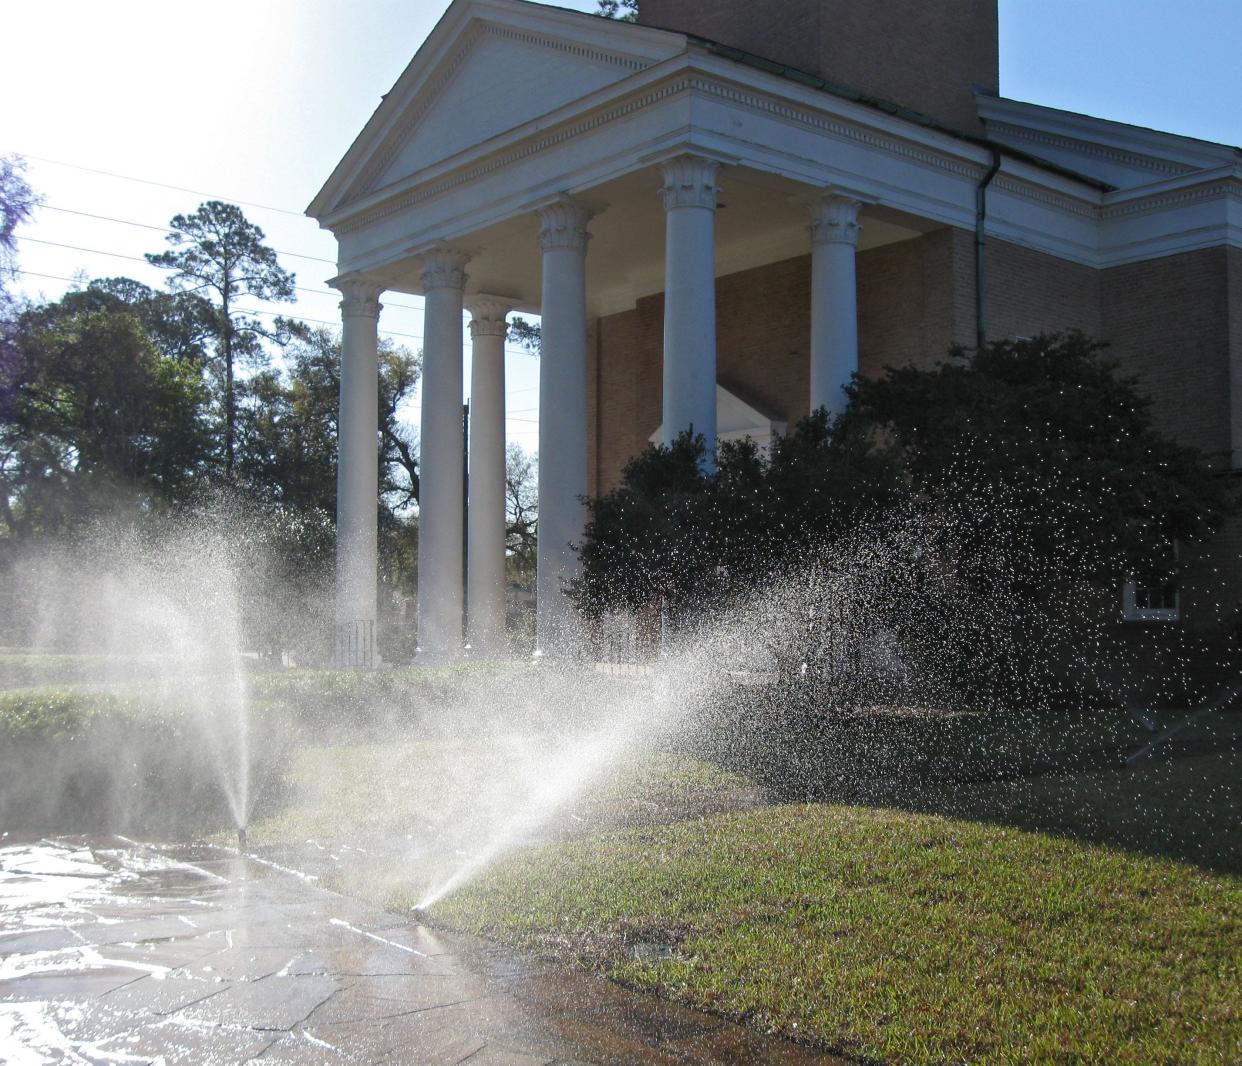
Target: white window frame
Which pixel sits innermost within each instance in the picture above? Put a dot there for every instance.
(1132, 612)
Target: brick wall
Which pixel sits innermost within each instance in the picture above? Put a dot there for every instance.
(915, 299)
(1172, 322)
(1168, 323)
(921, 55)
(1029, 293)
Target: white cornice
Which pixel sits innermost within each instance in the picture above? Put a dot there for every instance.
(1203, 184)
(897, 163)
(492, 155)
(1038, 192)
(684, 74)
(1183, 214)
(1039, 138)
(1118, 141)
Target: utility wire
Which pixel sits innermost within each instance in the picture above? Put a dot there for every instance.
(164, 185)
(166, 230)
(175, 188)
(78, 248)
(139, 259)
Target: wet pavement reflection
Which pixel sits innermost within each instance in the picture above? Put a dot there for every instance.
(114, 952)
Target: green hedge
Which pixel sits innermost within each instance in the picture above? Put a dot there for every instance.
(79, 759)
(419, 699)
(146, 757)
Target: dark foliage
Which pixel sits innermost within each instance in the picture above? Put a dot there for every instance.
(93, 414)
(1023, 483)
(679, 535)
(625, 10)
(1041, 444)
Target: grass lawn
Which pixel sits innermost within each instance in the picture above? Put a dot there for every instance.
(379, 791)
(1087, 918)
(909, 936)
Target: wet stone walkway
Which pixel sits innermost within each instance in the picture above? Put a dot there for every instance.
(112, 952)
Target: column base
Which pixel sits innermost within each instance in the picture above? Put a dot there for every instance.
(431, 658)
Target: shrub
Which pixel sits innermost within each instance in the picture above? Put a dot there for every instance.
(127, 761)
(1007, 493)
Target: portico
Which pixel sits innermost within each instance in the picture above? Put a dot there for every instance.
(578, 165)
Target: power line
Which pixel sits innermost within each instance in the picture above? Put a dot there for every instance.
(164, 185)
(78, 248)
(138, 259)
(323, 322)
(166, 230)
(175, 188)
(141, 259)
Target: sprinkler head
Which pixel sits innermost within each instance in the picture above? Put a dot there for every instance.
(419, 912)
(241, 838)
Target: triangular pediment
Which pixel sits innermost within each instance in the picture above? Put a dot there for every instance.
(490, 67)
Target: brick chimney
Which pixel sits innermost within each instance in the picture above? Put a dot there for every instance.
(922, 54)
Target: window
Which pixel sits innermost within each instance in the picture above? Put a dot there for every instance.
(1150, 603)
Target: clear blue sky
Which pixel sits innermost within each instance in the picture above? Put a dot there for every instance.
(257, 100)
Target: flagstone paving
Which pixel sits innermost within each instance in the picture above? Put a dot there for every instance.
(114, 952)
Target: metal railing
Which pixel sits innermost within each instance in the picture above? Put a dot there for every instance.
(355, 645)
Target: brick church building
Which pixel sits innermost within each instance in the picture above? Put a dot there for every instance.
(724, 210)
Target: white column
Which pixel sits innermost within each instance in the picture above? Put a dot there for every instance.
(440, 501)
(834, 300)
(485, 555)
(689, 195)
(357, 474)
(563, 238)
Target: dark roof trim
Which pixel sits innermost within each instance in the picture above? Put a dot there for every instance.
(845, 92)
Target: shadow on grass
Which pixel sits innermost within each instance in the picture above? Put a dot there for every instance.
(1062, 775)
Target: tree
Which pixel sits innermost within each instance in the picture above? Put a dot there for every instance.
(17, 203)
(217, 250)
(288, 423)
(182, 325)
(91, 413)
(525, 334)
(521, 514)
(625, 10)
(649, 541)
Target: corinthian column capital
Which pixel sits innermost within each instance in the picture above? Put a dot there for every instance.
(563, 224)
(360, 296)
(488, 315)
(445, 268)
(690, 181)
(835, 220)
